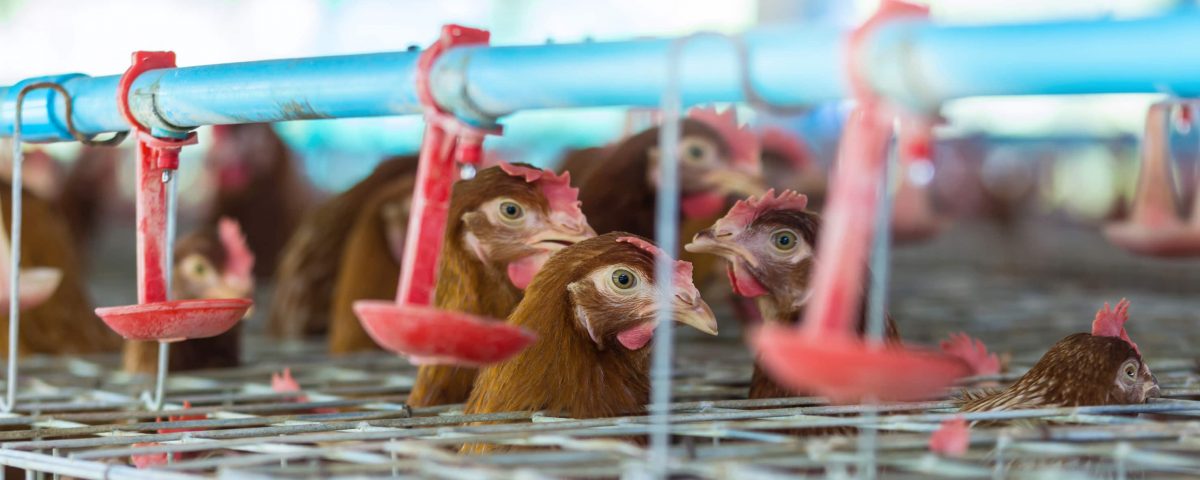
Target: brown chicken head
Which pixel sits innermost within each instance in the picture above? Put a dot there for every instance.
(717, 159)
(514, 216)
(214, 266)
(241, 153)
(769, 242)
(613, 290)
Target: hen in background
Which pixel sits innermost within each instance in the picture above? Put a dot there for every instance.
(302, 301)
(1103, 367)
(65, 322)
(209, 263)
(503, 225)
(259, 185)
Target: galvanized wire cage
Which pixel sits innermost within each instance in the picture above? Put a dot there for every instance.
(76, 418)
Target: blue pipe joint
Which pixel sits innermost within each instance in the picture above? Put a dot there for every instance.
(43, 115)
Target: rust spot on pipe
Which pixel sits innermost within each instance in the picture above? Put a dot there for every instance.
(297, 110)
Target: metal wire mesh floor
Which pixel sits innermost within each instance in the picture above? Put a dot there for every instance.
(76, 418)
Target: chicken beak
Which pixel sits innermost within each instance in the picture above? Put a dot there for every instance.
(562, 232)
(690, 310)
(720, 243)
(1152, 390)
(705, 241)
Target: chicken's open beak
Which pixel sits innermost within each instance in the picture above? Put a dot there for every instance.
(1151, 390)
(735, 182)
(561, 234)
(720, 244)
(691, 310)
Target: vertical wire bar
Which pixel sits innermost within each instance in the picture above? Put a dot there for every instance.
(164, 348)
(666, 232)
(877, 306)
(14, 284)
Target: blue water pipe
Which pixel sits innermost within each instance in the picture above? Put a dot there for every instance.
(918, 63)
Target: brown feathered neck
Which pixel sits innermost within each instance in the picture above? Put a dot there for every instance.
(465, 283)
(1078, 370)
(620, 182)
(565, 372)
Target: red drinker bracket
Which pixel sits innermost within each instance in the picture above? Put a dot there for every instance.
(410, 326)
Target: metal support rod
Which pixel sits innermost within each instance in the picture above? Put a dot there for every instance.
(916, 63)
(14, 273)
(877, 306)
(14, 269)
(666, 232)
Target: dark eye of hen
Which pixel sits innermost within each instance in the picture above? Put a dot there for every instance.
(511, 211)
(198, 269)
(623, 279)
(696, 152)
(784, 240)
(1130, 370)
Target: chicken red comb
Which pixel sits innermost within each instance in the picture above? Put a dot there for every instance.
(557, 188)
(973, 352)
(283, 382)
(952, 438)
(1110, 322)
(788, 146)
(155, 459)
(743, 144)
(182, 418)
(745, 211)
(239, 260)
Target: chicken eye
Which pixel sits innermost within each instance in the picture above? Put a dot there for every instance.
(694, 150)
(783, 240)
(198, 269)
(1130, 370)
(511, 210)
(623, 279)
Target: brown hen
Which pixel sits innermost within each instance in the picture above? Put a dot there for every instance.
(503, 224)
(213, 262)
(593, 309)
(304, 282)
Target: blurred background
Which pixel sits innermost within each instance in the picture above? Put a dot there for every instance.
(1068, 158)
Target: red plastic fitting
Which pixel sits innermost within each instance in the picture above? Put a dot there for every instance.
(154, 155)
(165, 150)
(447, 140)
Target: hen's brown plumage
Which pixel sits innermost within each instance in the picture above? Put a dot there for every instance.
(369, 268)
(468, 284)
(64, 324)
(1079, 370)
(304, 282)
(577, 368)
(88, 190)
(473, 275)
(616, 191)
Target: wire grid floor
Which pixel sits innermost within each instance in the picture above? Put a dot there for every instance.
(76, 418)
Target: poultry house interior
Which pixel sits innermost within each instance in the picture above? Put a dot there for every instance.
(500, 239)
